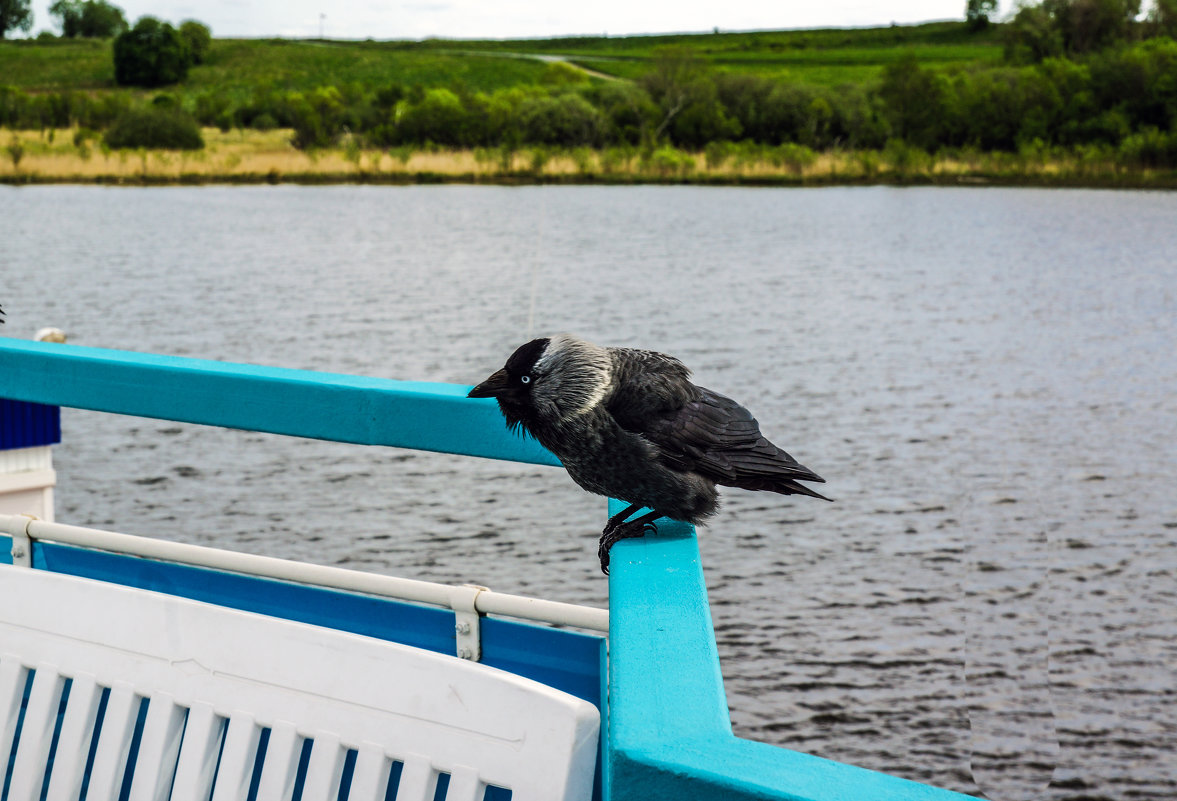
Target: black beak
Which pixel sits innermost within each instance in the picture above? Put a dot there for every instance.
(492, 387)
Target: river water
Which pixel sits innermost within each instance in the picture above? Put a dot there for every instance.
(986, 377)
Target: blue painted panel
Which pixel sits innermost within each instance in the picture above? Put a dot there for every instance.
(533, 651)
(28, 425)
(419, 626)
(566, 660)
(343, 408)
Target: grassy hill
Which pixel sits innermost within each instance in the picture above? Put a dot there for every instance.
(244, 64)
(824, 57)
(919, 102)
(827, 56)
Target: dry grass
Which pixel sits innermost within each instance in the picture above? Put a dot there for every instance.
(255, 157)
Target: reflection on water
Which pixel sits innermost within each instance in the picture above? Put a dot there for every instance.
(986, 377)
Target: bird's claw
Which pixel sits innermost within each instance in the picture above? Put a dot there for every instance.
(615, 532)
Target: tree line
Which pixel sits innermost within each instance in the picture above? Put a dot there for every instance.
(96, 19)
(1120, 96)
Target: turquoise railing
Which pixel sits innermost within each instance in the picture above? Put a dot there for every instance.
(668, 730)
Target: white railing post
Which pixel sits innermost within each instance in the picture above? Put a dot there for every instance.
(22, 546)
(467, 628)
(27, 477)
(27, 433)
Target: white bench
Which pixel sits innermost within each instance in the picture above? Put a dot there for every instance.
(215, 678)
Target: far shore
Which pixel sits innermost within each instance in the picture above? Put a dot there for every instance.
(255, 157)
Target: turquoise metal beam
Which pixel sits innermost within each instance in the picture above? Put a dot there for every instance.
(669, 731)
(370, 411)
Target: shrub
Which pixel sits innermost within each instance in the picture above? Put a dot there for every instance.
(703, 121)
(716, 153)
(668, 161)
(437, 117)
(92, 19)
(905, 158)
(1141, 80)
(785, 114)
(629, 113)
(197, 39)
(615, 159)
(83, 135)
(154, 127)
(388, 96)
(1031, 35)
(582, 157)
(16, 151)
(868, 162)
(747, 99)
(317, 118)
(539, 159)
(795, 157)
(209, 106)
(566, 120)
(150, 54)
(82, 138)
(1151, 148)
(914, 99)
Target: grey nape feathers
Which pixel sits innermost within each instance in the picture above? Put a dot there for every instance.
(629, 424)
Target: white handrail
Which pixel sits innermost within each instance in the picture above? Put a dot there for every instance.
(486, 601)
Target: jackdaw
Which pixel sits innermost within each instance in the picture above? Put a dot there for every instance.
(629, 424)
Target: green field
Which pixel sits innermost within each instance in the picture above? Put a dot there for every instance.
(55, 66)
(766, 43)
(824, 57)
(239, 66)
(826, 67)
(242, 65)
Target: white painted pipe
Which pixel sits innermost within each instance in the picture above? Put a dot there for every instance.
(486, 602)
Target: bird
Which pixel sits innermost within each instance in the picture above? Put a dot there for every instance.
(629, 424)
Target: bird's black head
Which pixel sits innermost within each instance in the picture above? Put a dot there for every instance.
(512, 385)
(549, 382)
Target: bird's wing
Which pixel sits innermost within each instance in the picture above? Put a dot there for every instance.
(702, 431)
(646, 388)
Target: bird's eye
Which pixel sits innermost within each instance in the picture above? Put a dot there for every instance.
(525, 379)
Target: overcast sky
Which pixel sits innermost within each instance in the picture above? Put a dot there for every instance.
(416, 19)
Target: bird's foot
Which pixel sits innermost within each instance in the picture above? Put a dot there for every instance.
(618, 519)
(615, 532)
